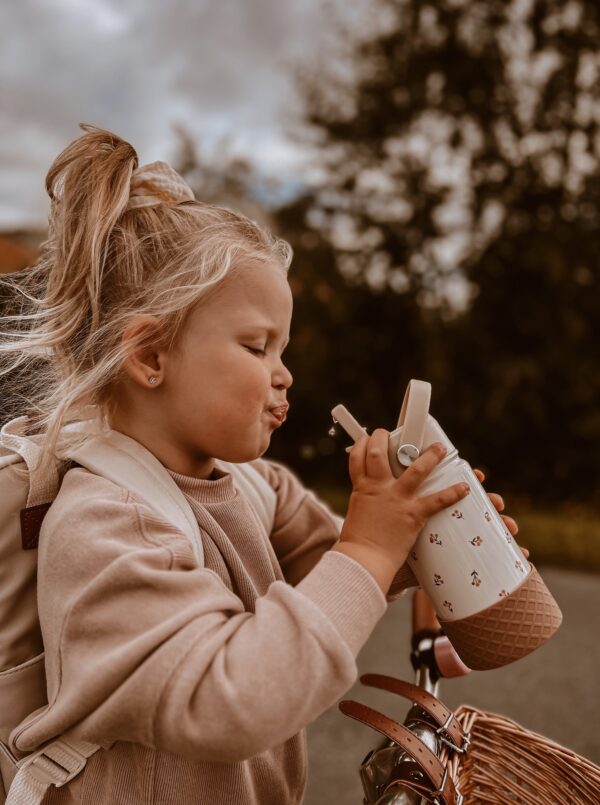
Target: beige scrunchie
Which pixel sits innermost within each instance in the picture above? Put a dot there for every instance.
(157, 183)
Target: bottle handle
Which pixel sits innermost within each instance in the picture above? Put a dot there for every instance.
(413, 419)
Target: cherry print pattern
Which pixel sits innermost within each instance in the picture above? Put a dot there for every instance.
(477, 541)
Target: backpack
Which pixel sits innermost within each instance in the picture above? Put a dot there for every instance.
(26, 494)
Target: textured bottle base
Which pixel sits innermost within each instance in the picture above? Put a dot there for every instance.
(508, 630)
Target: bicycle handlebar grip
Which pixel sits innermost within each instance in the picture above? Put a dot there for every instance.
(447, 660)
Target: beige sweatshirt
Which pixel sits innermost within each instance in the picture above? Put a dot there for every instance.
(197, 681)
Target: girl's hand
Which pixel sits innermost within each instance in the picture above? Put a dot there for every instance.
(385, 514)
(499, 504)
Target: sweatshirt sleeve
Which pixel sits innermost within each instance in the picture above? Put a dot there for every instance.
(142, 645)
(305, 527)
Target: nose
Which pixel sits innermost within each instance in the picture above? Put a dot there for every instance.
(282, 377)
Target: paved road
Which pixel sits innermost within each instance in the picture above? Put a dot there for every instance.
(553, 691)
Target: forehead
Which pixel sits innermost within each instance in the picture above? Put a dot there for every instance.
(256, 296)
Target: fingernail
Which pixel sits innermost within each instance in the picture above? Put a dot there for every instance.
(466, 488)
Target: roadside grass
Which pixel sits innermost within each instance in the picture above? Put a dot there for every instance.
(555, 538)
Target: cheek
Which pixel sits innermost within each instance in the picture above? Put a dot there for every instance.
(237, 378)
(245, 378)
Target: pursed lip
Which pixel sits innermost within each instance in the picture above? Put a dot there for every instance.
(280, 411)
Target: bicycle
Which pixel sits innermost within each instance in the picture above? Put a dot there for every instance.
(464, 757)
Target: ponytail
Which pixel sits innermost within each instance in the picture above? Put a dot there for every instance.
(88, 184)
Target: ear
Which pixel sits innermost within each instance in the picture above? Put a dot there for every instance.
(146, 356)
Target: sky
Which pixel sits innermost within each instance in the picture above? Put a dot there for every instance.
(139, 67)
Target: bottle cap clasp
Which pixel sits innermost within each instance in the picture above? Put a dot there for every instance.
(407, 454)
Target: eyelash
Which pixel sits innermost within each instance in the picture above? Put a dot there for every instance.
(257, 351)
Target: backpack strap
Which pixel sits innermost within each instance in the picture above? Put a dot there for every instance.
(43, 482)
(126, 462)
(56, 764)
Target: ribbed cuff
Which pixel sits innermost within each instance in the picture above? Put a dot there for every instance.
(348, 594)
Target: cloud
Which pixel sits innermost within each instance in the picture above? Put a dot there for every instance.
(137, 67)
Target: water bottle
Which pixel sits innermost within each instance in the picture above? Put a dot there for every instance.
(491, 602)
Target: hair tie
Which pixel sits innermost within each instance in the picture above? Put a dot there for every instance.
(157, 183)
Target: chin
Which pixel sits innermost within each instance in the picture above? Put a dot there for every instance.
(242, 456)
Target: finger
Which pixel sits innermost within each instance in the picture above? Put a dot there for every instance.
(479, 475)
(377, 463)
(356, 459)
(414, 476)
(432, 504)
(510, 524)
(497, 500)
(524, 551)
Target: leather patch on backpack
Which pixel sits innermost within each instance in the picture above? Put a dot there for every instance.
(31, 523)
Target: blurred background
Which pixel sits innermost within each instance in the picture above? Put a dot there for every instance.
(434, 166)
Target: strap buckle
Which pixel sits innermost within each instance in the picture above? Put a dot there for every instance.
(56, 764)
(444, 735)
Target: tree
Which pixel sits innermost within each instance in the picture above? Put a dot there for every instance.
(462, 178)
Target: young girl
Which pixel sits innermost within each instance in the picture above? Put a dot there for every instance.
(170, 316)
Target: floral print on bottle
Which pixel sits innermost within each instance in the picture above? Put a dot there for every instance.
(480, 532)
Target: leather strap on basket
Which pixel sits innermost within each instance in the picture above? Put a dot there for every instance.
(442, 785)
(442, 715)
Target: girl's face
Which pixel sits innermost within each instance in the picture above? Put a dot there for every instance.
(217, 387)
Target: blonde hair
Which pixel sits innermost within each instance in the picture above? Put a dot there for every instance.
(102, 265)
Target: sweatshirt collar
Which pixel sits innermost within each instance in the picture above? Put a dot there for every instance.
(217, 489)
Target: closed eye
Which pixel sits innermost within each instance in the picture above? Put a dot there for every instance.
(257, 351)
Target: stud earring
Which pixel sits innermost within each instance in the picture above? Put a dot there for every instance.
(152, 379)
